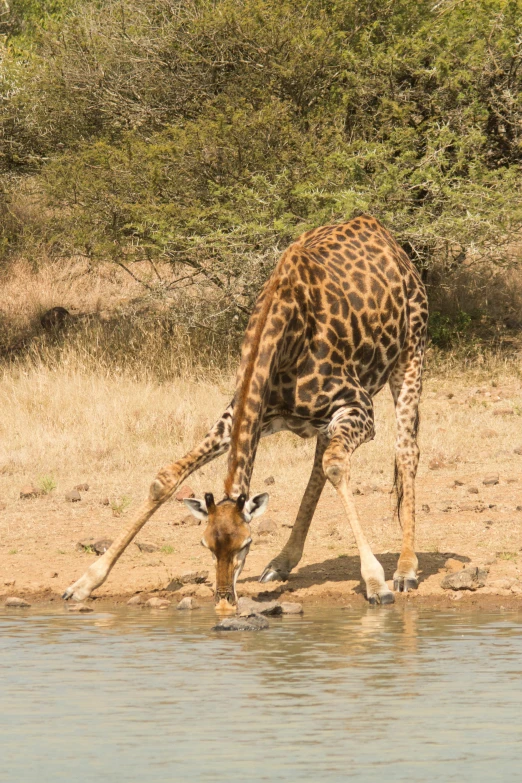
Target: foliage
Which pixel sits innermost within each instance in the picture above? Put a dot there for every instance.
(47, 484)
(212, 132)
(446, 330)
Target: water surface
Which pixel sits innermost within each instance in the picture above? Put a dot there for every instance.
(384, 693)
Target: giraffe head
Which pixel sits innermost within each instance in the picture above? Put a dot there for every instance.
(227, 535)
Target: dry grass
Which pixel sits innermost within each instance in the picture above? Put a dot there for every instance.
(136, 380)
(483, 288)
(73, 423)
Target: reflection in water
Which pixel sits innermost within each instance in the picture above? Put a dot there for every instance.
(399, 693)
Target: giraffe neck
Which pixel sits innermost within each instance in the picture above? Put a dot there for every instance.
(259, 354)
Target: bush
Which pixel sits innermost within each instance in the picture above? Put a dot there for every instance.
(213, 132)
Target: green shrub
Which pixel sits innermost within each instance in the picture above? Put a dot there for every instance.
(212, 132)
(446, 330)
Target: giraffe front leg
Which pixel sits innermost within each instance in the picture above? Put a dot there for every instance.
(349, 429)
(162, 488)
(278, 570)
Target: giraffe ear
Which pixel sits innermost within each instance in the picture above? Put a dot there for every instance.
(198, 508)
(257, 505)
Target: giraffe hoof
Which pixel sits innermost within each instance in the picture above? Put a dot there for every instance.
(385, 598)
(403, 584)
(272, 575)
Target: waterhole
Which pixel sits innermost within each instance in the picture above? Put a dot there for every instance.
(385, 693)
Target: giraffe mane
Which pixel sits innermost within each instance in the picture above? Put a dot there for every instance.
(242, 392)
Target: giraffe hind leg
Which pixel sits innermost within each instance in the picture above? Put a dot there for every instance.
(405, 385)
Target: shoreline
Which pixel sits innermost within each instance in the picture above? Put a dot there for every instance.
(448, 600)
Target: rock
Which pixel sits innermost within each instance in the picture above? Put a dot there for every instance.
(467, 579)
(30, 491)
(472, 507)
(158, 603)
(73, 496)
(100, 547)
(144, 546)
(291, 607)
(82, 487)
(270, 480)
(473, 490)
(3, 506)
(247, 606)
(187, 603)
(517, 450)
(203, 591)
(16, 603)
(504, 412)
(193, 577)
(452, 565)
(254, 622)
(85, 546)
(517, 588)
(436, 464)
(489, 434)
(188, 521)
(174, 585)
(490, 480)
(270, 608)
(55, 319)
(9, 582)
(135, 600)
(105, 502)
(82, 608)
(184, 493)
(188, 590)
(426, 508)
(458, 483)
(266, 527)
(51, 574)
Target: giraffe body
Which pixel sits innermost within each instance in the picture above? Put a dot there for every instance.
(343, 313)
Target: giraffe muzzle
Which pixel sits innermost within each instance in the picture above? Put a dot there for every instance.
(225, 601)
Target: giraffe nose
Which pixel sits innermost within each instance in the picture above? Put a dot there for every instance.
(225, 602)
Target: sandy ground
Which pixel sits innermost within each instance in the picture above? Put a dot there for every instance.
(469, 431)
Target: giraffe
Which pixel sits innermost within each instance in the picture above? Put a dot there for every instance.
(343, 313)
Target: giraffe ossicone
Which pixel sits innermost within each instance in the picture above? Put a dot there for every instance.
(343, 313)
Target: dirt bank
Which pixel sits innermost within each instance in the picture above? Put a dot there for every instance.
(469, 499)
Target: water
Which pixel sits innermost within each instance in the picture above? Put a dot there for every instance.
(379, 694)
